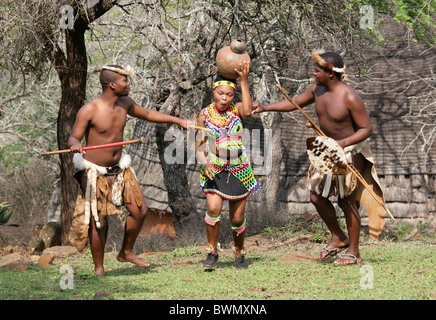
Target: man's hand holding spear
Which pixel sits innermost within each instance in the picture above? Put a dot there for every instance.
(101, 146)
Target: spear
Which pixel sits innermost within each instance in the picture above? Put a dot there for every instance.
(115, 144)
(200, 128)
(196, 126)
(350, 166)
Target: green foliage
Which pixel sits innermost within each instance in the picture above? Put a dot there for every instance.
(320, 234)
(422, 225)
(13, 156)
(88, 253)
(418, 15)
(403, 229)
(185, 251)
(35, 119)
(5, 213)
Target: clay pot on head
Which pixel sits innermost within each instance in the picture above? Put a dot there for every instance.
(228, 58)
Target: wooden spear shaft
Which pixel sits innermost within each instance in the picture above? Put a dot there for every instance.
(313, 124)
(101, 146)
(350, 166)
(200, 128)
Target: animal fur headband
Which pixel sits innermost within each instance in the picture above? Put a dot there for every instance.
(316, 55)
(128, 71)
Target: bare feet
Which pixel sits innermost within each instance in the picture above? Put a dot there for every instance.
(99, 271)
(130, 257)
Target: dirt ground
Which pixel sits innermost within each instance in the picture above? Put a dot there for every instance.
(156, 223)
(263, 241)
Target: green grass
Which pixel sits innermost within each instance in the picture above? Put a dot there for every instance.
(401, 270)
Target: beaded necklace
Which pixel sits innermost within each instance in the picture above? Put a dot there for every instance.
(227, 127)
(221, 119)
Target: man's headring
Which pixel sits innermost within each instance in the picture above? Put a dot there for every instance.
(316, 55)
(128, 71)
(224, 83)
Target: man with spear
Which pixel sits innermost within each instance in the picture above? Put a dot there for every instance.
(343, 118)
(104, 174)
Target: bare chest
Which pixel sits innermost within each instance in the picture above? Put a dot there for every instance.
(331, 109)
(107, 121)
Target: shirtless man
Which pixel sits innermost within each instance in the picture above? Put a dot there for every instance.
(102, 121)
(342, 116)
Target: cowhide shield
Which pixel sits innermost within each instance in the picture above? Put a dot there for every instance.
(326, 155)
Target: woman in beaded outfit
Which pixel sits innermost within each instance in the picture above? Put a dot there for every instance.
(226, 173)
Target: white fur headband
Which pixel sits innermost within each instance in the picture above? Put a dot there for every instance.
(128, 71)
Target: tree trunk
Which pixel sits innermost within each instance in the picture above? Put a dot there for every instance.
(270, 183)
(73, 84)
(71, 68)
(176, 181)
(270, 121)
(53, 209)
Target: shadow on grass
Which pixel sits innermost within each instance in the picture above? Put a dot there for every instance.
(130, 270)
(226, 264)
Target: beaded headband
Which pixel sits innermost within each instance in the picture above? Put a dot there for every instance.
(224, 83)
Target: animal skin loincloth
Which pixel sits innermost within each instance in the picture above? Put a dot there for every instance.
(107, 189)
(343, 185)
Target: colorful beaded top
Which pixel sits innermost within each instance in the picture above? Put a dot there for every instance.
(227, 130)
